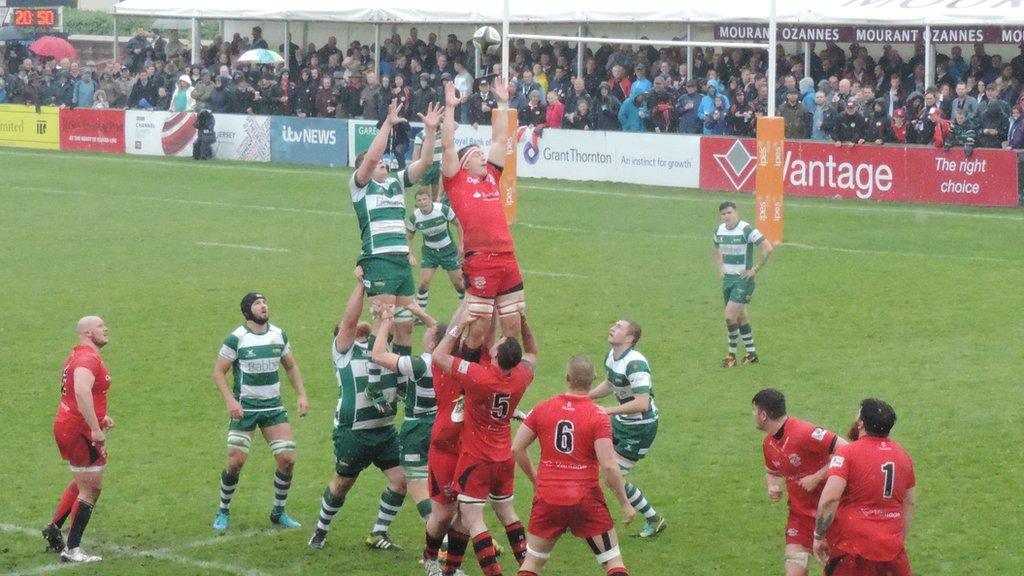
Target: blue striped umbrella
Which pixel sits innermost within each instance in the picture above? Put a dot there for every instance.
(261, 56)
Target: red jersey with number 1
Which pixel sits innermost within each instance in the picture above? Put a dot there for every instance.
(491, 398)
(481, 213)
(869, 522)
(567, 427)
(82, 356)
(799, 449)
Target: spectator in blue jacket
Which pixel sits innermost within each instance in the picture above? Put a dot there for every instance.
(807, 93)
(632, 113)
(714, 120)
(84, 91)
(642, 85)
(707, 103)
(686, 107)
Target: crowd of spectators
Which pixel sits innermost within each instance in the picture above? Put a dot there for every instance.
(848, 96)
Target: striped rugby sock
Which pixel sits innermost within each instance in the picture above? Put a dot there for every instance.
(228, 483)
(390, 504)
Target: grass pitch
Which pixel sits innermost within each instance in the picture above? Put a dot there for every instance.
(919, 306)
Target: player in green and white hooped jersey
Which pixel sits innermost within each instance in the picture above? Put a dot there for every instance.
(432, 176)
(254, 352)
(364, 431)
(420, 404)
(733, 250)
(635, 418)
(434, 220)
(378, 197)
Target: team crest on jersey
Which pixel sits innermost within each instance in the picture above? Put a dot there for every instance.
(818, 434)
(792, 532)
(794, 459)
(479, 282)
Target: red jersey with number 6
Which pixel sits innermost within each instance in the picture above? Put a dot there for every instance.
(799, 449)
(82, 356)
(567, 427)
(491, 398)
(481, 213)
(869, 522)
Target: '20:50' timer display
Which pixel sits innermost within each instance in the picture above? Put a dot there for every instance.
(40, 17)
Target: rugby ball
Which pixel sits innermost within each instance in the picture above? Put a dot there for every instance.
(486, 37)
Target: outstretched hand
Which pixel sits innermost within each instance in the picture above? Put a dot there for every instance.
(500, 89)
(451, 97)
(393, 116)
(432, 119)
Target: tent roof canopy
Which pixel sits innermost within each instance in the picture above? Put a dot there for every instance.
(872, 12)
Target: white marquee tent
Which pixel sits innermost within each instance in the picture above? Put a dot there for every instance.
(890, 12)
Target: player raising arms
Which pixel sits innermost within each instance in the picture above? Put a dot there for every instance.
(364, 430)
(733, 250)
(869, 495)
(420, 403)
(486, 468)
(575, 443)
(432, 175)
(254, 352)
(79, 429)
(378, 197)
(798, 453)
(491, 272)
(635, 419)
(439, 250)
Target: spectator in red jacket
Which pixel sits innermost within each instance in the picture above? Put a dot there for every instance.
(555, 112)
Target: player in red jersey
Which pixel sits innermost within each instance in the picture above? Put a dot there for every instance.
(492, 276)
(80, 431)
(798, 453)
(486, 468)
(870, 496)
(575, 442)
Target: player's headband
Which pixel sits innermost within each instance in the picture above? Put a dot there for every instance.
(468, 154)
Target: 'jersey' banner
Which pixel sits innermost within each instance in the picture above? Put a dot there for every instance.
(153, 133)
(92, 130)
(768, 176)
(919, 174)
(22, 127)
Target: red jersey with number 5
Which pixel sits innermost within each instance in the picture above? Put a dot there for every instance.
(567, 427)
(869, 522)
(481, 213)
(799, 449)
(82, 356)
(491, 398)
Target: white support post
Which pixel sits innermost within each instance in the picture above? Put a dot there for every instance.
(504, 45)
(376, 50)
(689, 52)
(929, 57)
(197, 44)
(807, 61)
(580, 48)
(116, 42)
(772, 66)
(287, 45)
(305, 36)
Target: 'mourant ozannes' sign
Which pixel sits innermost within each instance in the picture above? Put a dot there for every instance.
(870, 34)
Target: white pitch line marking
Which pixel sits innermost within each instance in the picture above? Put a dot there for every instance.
(887, 253)
(552, 274)
(167, 554)
(242, 247)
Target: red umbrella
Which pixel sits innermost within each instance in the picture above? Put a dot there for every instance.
(53, 47)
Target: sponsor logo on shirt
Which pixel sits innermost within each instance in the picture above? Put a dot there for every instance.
(837, 462)
(818, 434)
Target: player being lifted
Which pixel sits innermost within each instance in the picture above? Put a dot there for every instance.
(79, 429)
(420, 404)
(486, 468)
(797, 453)
(733, 250)
(432, 176)
(492, 276)
(364, 430)
(575, 444)
(378, 198)
(254, 352)
(635, 419)
(433, 220)
(869, 495)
